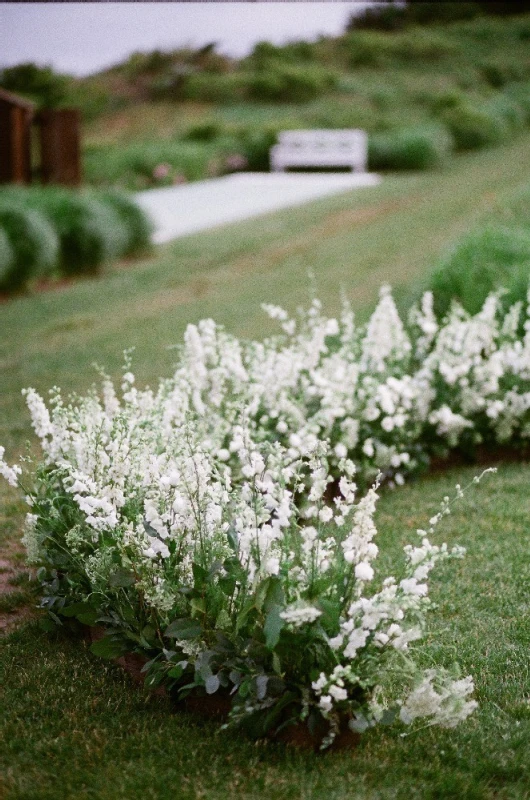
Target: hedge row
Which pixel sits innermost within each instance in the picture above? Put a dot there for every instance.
(53, 232)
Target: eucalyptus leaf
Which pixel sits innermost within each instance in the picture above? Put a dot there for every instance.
(212, 684)
(108, 647)
(183, 629)
(273, 626)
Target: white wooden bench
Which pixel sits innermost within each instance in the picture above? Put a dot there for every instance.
(320, 148)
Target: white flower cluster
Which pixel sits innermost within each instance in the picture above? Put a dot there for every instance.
(252, 451)
(386, 395)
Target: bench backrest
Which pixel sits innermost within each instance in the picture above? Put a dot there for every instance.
(323, 140)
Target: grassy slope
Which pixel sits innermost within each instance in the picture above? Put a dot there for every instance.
(75, 727)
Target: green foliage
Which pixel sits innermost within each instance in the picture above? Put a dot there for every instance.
(204, 132)
(138, 228)
(33, 244)
(409, 148)
(255, 146)
(52, 230)
(209, 87)
(520, 93)
(7, 255)
(90, 232)
(42, 84)
(134, 166)
(290, 84)
(473, 128)
(490, 257)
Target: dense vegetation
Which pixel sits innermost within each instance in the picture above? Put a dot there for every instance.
(492, 256)
(76, 726)
(51, 232)
(421, 91)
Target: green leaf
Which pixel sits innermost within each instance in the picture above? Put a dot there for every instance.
(84, 612)
(183, 629)
(200, 574)
(121, 578)
(273, 626)
(177, 671)
(212, 684)
(198, 605)
(108, 647)
(276, 664)
(275, 595)
(330, 615)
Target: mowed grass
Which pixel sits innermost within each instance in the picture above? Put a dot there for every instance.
(75, 726)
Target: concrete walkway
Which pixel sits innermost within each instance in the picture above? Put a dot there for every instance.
(179, 210)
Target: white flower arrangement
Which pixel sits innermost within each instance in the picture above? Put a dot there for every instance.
(215, 524)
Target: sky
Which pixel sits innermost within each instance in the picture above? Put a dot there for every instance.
(82, 38)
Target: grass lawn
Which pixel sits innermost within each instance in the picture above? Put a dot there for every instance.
(75, 726)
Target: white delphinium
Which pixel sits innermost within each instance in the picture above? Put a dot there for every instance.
(385, 337)
(9, 473)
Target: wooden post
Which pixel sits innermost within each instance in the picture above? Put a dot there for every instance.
(15, 138)
(60, 146)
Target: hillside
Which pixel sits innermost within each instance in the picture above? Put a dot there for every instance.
(449, 87)
(423, 93)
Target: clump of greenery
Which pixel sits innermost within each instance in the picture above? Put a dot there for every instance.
(90, 232)
(473, 128)
(291, 83)
(134, 166)
(489, 258)
(6, 254)
(54, 230)
(138, 228)
(40, 84)
(409, 148)
(30, 246)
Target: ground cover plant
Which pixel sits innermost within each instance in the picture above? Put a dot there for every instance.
(56, 232)
(51, 753)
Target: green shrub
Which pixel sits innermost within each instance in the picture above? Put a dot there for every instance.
(409, 148)
(33, 243)
(291, 84)
(7, 256)
(492, 257)
(509, 111)
(135, 222)
(42, 84)
(134, 166)
(204, 132)
(474, 128)
(519, 92)
(90, 232)
(211, 88)
(255, 146)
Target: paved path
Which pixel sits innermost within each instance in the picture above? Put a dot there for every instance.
(179, 210)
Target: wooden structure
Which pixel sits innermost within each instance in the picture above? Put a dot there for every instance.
(59, 142)
(320, 148)
(16, 116)
(60, 146)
